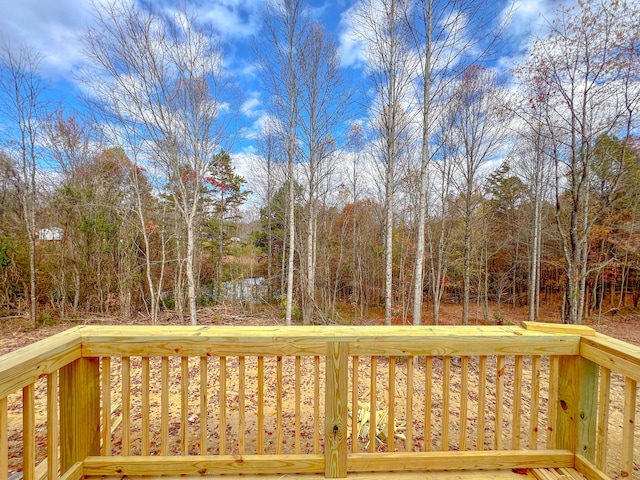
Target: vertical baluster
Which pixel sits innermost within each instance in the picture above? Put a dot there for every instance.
(552, 413)
(603, 418)
(482, 400)
(106, 406)
(4, 439)
(146, 410)
(500, 365)
(464, 396)
(517, 404)
(372, 405)
(446, 385)
(204, 401)
(164, 406)
(409, 407)
(260, 405)
(391, 411)
(126, 406)
(184, 405)
(223, 405)
(279, 394)
(354, 405)
(535, 402)
(28, 433)
(297, 406)
(316, 404)
(628, 424)
(53, 427)
(428, 391)
(241, 405)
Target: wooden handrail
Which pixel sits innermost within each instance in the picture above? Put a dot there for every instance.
(577, 414)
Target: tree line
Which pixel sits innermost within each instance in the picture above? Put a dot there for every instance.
(449, 179)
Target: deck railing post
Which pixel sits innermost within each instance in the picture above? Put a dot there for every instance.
(79, 411)
(577, 409)
(336, 395)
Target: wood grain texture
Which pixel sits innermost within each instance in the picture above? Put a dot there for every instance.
(53, 426)
(454, 461)
(587, 420)
(164, 406)
(260, 429)
(464, 398)
(602, 434)
(4, 439)
(482, 400)
(336, 411)
(311, 340)
(79, 411)
(516, 418)
(534, 421)
(76, 472)
(628, 426)
(28, 432)
(106, 405)
(568, 403)
(203, 465)
(428, 393)
(24, 366)
(553, 404)
(204, 403)
(558, 328)
(589, 470)
(145, 408)
(500, 372)
(616, 355)
(125, 368)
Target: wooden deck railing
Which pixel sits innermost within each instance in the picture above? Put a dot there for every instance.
(115, 401)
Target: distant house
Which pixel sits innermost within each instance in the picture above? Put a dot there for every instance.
(50, 234)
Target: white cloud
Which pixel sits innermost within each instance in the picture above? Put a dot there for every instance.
(252, 106)
(48, 27)
(350, 47)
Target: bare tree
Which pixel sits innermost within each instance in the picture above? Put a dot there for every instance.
(447, 36)
(280, 59)
(381, 27)
(589, 66)
(164, 74)
(22, 103)
(478, 130)
(322, 108)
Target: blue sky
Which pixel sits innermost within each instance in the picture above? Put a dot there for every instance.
(52, 27)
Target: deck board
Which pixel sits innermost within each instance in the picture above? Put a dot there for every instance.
(465, 475)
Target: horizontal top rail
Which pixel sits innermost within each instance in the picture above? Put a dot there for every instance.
(616, 355)
(26, 365)
(311, 340)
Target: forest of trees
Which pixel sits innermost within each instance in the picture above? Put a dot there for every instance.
(450, 180)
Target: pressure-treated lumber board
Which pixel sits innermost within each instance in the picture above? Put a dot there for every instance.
(74, 473)
(588, 469)
(26, 365)
(616, 355)
(454, 461)
(4, 440)
(311, 340)
(79, 411)
(483, 475)
(587, 409)
(558, 328)
(28, 432)
(336, 405)
(204, 465)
